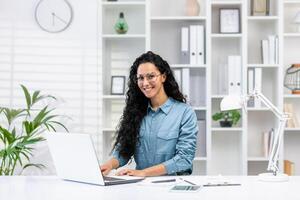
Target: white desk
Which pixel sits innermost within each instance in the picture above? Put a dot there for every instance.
(50, 188)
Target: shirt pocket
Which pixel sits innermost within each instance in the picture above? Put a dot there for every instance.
(166, 141)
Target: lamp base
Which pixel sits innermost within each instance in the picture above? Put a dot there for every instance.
(269, 177)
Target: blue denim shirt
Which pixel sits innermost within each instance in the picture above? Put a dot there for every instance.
(167, 136)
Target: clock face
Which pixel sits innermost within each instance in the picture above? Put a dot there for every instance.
(53, 15)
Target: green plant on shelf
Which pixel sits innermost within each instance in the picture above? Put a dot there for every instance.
(21, 129)
(227, 118)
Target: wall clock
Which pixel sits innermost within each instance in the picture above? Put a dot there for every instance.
(53, 16)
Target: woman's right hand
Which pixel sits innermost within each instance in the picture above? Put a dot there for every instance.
(106, 168)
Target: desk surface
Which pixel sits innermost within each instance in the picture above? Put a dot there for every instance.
(50, 188)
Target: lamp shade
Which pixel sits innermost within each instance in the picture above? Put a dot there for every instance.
(231, 102)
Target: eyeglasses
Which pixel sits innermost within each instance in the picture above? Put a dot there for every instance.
(151, 77)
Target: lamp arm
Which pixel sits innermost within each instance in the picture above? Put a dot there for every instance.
(268, 103)
(283, 117)
(274, 154)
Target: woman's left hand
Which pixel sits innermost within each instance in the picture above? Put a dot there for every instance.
(131, 172)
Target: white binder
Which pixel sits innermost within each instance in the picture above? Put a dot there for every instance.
(185, 56)
(200, 45)
(193, 44)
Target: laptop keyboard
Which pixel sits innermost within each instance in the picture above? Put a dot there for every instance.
(107, 178)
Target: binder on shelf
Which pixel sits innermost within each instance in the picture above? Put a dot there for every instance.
(200, 45)
(201, 139)
(193, 44)
(257, 85)
(178, 78)
(234, 75)
(250, 86)
(276, 50)
(222, 79)
(185, 56)
(186, 83)
(271, 39)
(265, 51)
(198, 96)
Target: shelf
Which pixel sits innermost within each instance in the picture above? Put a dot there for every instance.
(263, 65)
(258, 109)
(187, 66)
(218, 96)
(123, 3)
(226, 2)
(226, 129)
(199, 107)
(108, 130)
(263, 18)
(291, 1)
(112, 36)
(292, 129)
(170, 18)
(291, 34)
(229, 35)
(117, 97)
(291, 96)
(200, 158)
(258, 159)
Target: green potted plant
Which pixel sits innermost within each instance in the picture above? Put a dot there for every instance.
(227, 118)
(21, 130)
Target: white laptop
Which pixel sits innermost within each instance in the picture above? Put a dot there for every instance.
(75, 159)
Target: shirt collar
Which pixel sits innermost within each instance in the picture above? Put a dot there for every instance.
(166, 107)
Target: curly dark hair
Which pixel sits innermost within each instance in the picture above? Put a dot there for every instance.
(127, 134)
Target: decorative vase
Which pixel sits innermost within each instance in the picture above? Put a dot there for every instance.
(226, 123)
(121, 25)
(192, 8)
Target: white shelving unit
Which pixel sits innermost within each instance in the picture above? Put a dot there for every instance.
(154, 25)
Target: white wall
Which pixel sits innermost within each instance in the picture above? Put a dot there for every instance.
(61, 64)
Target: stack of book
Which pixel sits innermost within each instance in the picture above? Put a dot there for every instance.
(268, 139)
(292, 122)
(270, 50)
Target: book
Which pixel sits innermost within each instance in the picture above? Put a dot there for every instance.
(251, 86)
(178, 77)
(185, 84)
(289, 167)
(265, 51)
(257, 85)
(271, 39)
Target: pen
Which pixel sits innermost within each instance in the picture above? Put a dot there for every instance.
(187, 181)
(221, 184)
(164, 181)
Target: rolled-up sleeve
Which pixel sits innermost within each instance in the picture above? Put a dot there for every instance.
(186, 144)
(121, 159)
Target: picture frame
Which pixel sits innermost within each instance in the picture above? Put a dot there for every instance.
(117, 85)
(260, 7)
(229, 20)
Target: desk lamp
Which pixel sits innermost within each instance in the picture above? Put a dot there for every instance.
(232, 102)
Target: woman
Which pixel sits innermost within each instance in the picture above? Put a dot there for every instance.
(157, 128)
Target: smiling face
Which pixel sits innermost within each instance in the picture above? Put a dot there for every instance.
(150, 81)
